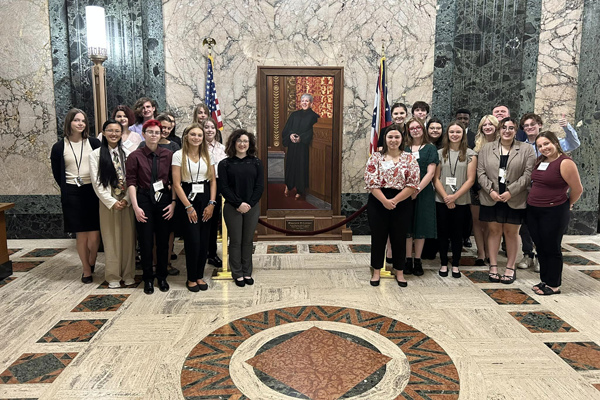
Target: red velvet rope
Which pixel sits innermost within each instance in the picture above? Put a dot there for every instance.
(297, 233)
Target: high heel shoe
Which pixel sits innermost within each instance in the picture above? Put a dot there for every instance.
(87, 279)
(493, 276)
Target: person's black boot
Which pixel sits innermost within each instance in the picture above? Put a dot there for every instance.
(418, 269)
(408, 267)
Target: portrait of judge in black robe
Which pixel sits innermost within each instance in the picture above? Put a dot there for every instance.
(297, 136)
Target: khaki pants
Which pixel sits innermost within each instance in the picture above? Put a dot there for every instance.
(118, 235)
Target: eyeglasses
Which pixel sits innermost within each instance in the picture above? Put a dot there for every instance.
(416, 128)
(152, 133)
(242, 141)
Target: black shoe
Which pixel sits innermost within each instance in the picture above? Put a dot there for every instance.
(479, 262)
(402, 284)
(467, 243)
(456, 274)
(194, 289)
(240, 283)
(418, 270)
(408, 267)
(149, 287)
(173, 257)
(443, 274)
(172, 270)
(87, 279)
(93, 267)
(203, 286)
(375, 283)
(216, 262)
(389, 260)
(249, 281)
(163, 286)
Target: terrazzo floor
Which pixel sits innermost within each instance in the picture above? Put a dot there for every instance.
(310, 328)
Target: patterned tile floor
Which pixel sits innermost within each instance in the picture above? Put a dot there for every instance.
(486, 334)
(138, 279)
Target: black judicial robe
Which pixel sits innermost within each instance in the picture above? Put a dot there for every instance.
(296, 163)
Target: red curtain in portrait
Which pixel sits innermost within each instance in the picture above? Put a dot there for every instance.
(321, 88)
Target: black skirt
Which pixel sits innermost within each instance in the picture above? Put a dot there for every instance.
(81, 209)
(502, 214)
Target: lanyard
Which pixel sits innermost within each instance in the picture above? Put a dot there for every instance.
(80, 156)
(453, 174)
(190, 169)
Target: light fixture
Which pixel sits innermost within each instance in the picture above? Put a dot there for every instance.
(97, 51)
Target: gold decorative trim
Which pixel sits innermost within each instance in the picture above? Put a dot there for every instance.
(276, 133)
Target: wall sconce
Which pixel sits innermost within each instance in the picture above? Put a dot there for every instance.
(97, 51)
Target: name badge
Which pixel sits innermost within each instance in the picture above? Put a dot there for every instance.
(197, 188)
(502, 175)
(416, 155)
(158, 185)
(450, 180)
(543, 166)
(387, 164)
(127, 144)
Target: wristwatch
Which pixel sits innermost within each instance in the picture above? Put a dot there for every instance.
(214, 203)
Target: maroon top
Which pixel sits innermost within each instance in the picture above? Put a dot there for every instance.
(139, 168)
(548, 187)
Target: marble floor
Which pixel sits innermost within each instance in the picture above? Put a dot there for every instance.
(310, 328)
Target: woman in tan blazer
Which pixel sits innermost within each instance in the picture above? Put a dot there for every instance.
(504, 174)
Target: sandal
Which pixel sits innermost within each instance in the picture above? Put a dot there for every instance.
(547, 291)
(493, 276)
(538, 286)
(507, 279)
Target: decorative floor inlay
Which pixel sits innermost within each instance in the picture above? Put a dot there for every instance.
(206, 372)
(6, 281)
(25, 266)
(467, 261)
(542, 322)
(596, 385)
(594, 273)
(138, 279)
(360, 248)
(73, 331)
(323, 248)
(43, 252)
(577, 260)
(585, 246)
(36, 368)
(581, 356)
(509, 296)
(564, 250)
(477, 276)
(101, 302)
(282, 249)
(13, 251)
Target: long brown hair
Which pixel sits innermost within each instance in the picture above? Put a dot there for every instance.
(203, 151)
(409, 138)
(462, 147)
(218, 136)
(197, 108)
(392, 127)
(554, 140)
(70, 117)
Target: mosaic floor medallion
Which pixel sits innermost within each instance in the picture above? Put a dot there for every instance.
(318, 353)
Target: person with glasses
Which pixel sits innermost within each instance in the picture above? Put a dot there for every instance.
(504, 172)
(241, 181)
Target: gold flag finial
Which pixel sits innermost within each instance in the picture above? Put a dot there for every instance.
(210, 42)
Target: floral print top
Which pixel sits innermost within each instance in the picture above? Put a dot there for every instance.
(388, 174)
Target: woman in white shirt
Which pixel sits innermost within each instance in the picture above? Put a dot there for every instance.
(196, 187)
(117, 226)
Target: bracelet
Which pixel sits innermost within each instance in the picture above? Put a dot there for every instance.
(212, 202)
(190, 211)
(190, 206)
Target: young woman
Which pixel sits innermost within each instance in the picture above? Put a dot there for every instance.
(487, 132)
(125, 117)
(172, 135)
(548, 208)
(454, 177)
(435, 128)
(107, 170)
(196, 187)
(399, 113)
(216, 150)
(71, 170)
(423, 223)
(391, 176)
(504, 172)
(241, 181)
(148, 179)
(201, 113)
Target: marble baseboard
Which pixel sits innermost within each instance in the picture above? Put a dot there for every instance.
(34, 217)
(583, 223)
(351, 202)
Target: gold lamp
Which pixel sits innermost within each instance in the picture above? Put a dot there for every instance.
(98, 53)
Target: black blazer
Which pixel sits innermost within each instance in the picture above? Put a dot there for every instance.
(57, 160)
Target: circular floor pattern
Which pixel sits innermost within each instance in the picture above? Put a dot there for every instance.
(206, 371)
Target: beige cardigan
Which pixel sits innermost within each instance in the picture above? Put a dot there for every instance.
(103, 193)
(518, 173)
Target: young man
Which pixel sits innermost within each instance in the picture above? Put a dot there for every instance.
(144, 110)
(464, 115)
(420, 110)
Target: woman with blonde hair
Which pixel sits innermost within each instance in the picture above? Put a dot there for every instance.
(196, 187)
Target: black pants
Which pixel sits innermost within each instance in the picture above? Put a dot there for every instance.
(467, 225)
(158, 226)
(393, 223)
(526, 240)
(195, 236)
(547, 226)
(450, 224)
(214, 228)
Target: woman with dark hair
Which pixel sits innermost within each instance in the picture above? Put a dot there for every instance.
(148, 179)
(165, 126)
(201, 113)
(504, 172)
(548, 207)
(71, 170)
(125, 117)
(241, 181)
(435, 128)
(399, 113)
(454, 176)
(172, 135)
(107, 170)
(391, 176)
(196, 187)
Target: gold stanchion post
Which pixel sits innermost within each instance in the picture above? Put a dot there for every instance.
(225, 273)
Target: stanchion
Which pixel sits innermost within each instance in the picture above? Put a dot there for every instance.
(225, 273)
(387, 272)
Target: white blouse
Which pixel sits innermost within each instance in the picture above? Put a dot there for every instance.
(198, 171)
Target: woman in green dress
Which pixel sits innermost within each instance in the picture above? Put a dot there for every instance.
(423, 224)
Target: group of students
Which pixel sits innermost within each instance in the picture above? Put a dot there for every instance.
(141, 183)
(431, 188)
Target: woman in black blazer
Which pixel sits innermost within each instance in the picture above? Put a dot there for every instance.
(71, 170)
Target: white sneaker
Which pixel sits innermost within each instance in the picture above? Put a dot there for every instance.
(114, 285)
(536, 265)
(129, 282)
(525, 262)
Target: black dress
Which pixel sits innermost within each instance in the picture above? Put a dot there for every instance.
(501, 212)
(296, 160)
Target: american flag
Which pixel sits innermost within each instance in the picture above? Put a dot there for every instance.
(210, 97)
(382, 117)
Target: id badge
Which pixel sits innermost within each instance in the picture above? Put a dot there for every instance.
(501, 175)
(416, 155)
(192, 196)
(197, 188)
(127, 144)
(450, 181)
(387, 164)
(158, 185)
(79, 181)
(543, 166)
